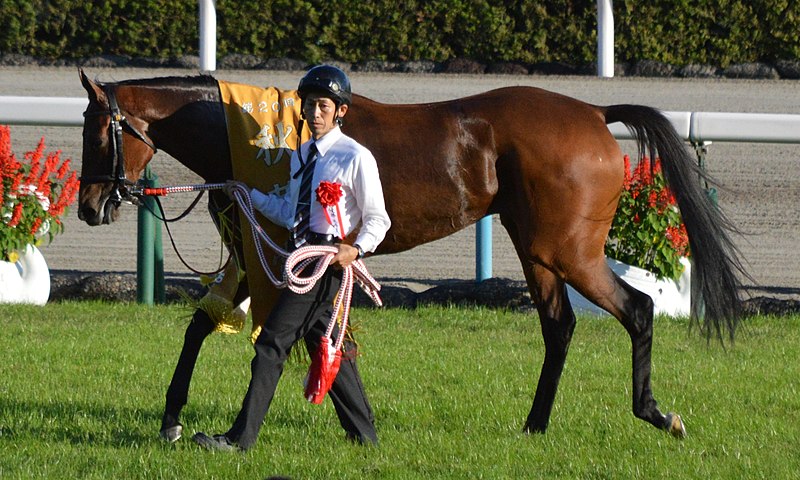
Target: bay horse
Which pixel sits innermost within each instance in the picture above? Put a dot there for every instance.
(546, 163)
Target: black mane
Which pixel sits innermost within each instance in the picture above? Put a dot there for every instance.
(170, 82)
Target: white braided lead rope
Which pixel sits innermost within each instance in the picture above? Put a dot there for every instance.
(164, 191)
(297, 261)
(300, 259)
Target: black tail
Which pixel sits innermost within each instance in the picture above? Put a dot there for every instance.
(715, 258)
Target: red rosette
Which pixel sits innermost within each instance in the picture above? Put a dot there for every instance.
(329, 193)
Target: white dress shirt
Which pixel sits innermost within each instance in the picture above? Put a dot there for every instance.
(341, 160)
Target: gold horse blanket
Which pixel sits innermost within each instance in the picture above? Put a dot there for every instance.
(262, 134)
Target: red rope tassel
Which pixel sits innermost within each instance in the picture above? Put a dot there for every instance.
(323, 370)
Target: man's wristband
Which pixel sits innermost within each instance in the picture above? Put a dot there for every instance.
(360, 251)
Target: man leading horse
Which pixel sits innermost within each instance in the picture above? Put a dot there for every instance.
(332, 157)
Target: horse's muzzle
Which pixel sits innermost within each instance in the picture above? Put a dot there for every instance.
(104, 215)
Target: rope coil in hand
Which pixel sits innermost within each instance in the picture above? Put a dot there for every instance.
(296, 262)
(299, 260)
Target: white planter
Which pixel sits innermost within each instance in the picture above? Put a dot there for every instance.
(669, 296)
(27, 280)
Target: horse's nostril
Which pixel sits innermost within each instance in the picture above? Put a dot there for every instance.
(86, 212)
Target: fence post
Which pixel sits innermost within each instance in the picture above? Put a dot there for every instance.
(159, 285)
(605, 39)
(483, 249)
(208, 35)
(149, 252)
(701, 149)
(145, 263)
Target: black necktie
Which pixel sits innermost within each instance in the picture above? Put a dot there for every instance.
(303, 210)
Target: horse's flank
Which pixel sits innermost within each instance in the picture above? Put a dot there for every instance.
(478, 149)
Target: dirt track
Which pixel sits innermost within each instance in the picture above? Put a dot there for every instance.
(761, 182)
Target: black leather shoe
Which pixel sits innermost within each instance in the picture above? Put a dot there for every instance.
(360, 439)
(216, 443)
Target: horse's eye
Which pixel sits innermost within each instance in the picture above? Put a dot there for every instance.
(94, 143)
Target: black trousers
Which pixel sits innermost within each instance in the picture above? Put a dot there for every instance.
(295, 317)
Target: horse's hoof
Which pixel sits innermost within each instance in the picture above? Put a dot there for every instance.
(531, 429)
(171, 434)
(675, 426)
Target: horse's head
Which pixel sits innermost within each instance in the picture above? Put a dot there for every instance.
(116, 150)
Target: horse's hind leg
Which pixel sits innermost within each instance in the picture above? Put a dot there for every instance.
(558, 323)
(557, 320)
(634, 310)
(590, 275)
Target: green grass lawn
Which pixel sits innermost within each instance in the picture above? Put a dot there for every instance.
(82, 388)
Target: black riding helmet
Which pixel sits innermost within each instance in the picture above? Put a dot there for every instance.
(329, 80)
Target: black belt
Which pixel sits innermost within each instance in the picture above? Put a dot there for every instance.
(315, 238)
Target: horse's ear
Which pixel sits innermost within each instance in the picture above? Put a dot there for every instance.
(94, 91)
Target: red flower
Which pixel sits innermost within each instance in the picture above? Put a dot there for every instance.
(34, 158)
(16, 181)
(642, 173)
(329, 193)
(31, 195)
(678, 238)
(647, 230)
(63, 169)
(16, 216)
(68, 193)
(652, 199)
(626, 184)
(50, 165)
(657, 166)
(36, 224)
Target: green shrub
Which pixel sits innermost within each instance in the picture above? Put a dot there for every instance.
(717, 32)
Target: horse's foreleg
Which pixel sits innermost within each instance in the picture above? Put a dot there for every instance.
(202, 325)
(558, 323)
(198, 329)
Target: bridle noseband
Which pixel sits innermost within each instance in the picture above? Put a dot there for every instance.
(122, 187)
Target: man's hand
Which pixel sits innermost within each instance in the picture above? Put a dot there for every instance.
(347, 254)
(230, 185)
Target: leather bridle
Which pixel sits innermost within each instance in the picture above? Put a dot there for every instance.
(122, 187)
(124, 190)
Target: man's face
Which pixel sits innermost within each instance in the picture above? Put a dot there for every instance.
(321, 113)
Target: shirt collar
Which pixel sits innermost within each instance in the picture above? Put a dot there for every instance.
(326, 142)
